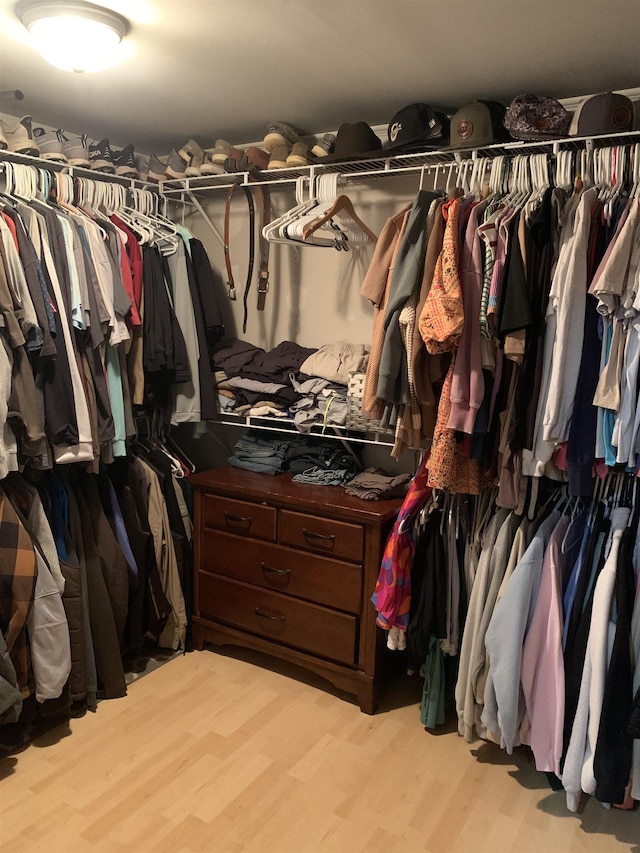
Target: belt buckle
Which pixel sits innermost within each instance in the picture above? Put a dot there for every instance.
(263, 281)
(232, 291)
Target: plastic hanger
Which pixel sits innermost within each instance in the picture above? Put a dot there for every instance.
(344, 210)
(273, 231)
(326, 194)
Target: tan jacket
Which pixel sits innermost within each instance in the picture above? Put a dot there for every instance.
(375, 287)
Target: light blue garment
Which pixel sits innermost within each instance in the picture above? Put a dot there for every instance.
(186, 235)
(77, 315)
(121, 534)
(114, 386)
(608, 415)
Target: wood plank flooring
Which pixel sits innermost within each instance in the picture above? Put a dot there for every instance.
(211, 752)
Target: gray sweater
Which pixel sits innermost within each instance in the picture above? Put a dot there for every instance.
(503, 699)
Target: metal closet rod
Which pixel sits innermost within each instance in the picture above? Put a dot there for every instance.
(77, 171)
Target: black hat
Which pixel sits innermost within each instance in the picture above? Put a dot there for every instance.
(355, 141)
(533, 117)
(478, 123)
(415, 126)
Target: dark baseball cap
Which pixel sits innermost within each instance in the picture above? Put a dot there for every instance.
(414, 126)
(478, 123)
(609, 112)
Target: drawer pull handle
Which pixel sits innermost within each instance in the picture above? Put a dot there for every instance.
(263, 615)
(237, 519)
(323, 537)
(273, 571)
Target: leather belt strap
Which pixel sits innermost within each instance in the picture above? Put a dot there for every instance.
(263, 272)
(263, 276)
(231, 287)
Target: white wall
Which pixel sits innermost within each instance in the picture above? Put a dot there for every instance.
(314, 295)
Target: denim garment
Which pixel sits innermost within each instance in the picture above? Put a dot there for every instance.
(258, 467)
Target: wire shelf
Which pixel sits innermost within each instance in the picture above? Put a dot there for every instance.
(399, 164)
(337, 433)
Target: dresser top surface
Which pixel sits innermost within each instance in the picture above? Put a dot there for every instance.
(281, 489)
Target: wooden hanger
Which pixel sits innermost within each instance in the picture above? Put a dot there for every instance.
(342, 204)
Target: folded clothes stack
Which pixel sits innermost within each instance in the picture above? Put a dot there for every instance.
(263, 454)
(374, 484)
(334, 362)
(254, 382)
(318, 402)
(310, 459)
(322, 462)
(302, 384)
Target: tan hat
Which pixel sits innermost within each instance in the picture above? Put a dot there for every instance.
(478, 123)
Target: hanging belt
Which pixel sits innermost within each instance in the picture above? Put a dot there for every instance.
(263, 272)
(263, 275)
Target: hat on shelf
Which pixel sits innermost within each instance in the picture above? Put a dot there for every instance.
(478, 123)
(416, 127)
(609, 112)
(355, 141)
(536, 117)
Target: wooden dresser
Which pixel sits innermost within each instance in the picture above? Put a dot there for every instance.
(288, 569)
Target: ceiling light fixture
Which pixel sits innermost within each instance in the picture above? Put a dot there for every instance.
(74, 35)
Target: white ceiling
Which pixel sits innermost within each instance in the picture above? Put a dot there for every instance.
(225, 68)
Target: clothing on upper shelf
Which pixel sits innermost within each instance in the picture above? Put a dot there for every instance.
(303, 385)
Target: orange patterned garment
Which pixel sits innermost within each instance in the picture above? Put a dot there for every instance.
(442, 316)
(441, 323)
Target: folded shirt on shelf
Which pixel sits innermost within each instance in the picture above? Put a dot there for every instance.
(264, 454)
(319, 402)
(322, 477)
(374, 484)
(335, 361)
(240, 358)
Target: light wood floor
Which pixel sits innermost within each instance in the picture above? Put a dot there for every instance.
(212, 753)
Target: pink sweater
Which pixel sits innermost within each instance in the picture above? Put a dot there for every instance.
(542, 673)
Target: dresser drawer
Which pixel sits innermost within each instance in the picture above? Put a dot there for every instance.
(278, 617)
(241, 517)
(337, 538)
(320, 579)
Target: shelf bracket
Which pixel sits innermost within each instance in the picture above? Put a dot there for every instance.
(205, 216)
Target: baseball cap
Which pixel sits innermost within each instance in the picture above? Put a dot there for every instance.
(533, 117)
(414, 126)
(609, 112)
(478, 123)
